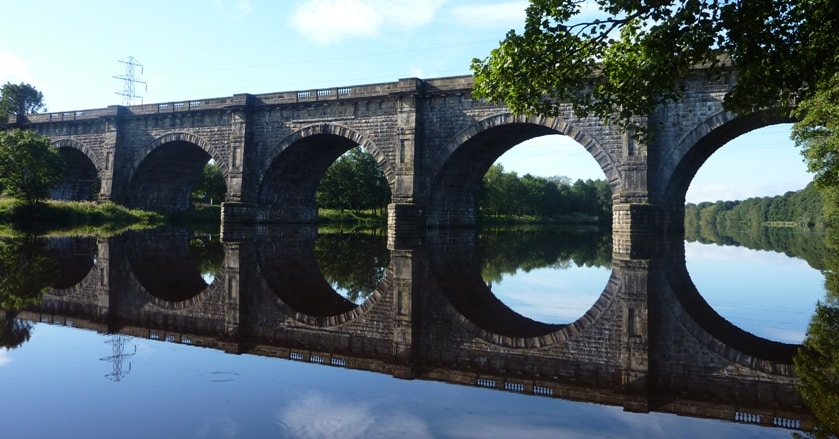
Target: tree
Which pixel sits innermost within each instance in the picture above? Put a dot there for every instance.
(817, 132)
(634, 57)
(27, 271)
(20, 99)
(817, 361)
(29, 165)
(355, 182)
(210, 186)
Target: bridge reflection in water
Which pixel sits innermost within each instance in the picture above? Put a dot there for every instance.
(650, 343)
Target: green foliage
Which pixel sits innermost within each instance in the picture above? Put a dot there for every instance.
(817, 133)
(804, 208)
(210, 187)
(26, 271)
(20, 99)
(506, 251)
(14, 332)
(634, 57)
(83, 217)
(208, 252)
(354, 182)
(337, 255)
(817, 361)
(817, 365)
(505, 194)
(29, 166)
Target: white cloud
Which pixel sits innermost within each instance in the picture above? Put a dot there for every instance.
(234, 9)
(330, 21)
(417, 72)
(4, 357)
(13, 69)
(511, 14)
(314, 416)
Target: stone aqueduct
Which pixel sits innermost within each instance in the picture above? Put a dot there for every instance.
(433, 140)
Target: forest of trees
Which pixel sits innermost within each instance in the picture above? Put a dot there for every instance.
(802, 208)
(505, 194)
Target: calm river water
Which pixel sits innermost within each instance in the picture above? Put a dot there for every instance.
(172, 334)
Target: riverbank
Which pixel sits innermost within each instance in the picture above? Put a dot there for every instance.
(81, 217)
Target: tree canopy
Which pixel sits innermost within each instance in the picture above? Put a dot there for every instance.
(29, 165)
(210, 186)
(631, 56)
(620, 62)
(505, 194)
(355, 182)
(20, 99)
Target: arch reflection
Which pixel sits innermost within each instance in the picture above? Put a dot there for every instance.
(649, 343)
(164, 263)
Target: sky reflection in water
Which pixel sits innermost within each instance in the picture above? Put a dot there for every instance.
(181, 391)
(766, 293)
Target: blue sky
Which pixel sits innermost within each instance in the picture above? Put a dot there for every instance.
(190, 49)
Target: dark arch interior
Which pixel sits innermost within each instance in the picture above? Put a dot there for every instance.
(81, 180)
(291, 182)
(163, 264)
(75, 256)
(164, 180)
(453, 193)
(291, 271)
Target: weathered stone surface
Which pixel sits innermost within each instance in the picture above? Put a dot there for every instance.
(432, 139)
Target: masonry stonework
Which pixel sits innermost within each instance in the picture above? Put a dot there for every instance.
(432, 139)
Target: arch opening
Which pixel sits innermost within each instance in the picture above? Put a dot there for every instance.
(353, 262)
(291, 188)
(751, 221)
(512, 173)
(456, 188)
(165, 178)
(81, 179)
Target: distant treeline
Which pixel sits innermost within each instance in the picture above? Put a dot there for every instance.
(510, 250)
(807, 244)
(802, 208)
(506, 195)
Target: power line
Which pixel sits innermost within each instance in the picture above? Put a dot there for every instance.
(129, 96)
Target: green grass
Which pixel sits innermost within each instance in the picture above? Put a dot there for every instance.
(334, 216)
(76, 217)
(572, 218)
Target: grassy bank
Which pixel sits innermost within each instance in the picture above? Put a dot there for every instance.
(334, 216)
(569, 219)
(81, 217)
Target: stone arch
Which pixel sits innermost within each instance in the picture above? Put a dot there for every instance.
(97, 160)
(336, 130)
(295, 283)
(291, 171)
(676, 170)
(467, 301)
(82, 174)
(161, 177)
(164, 268)
(461, 164)
(183, 137)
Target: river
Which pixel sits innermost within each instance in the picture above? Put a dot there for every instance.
(300, 332)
